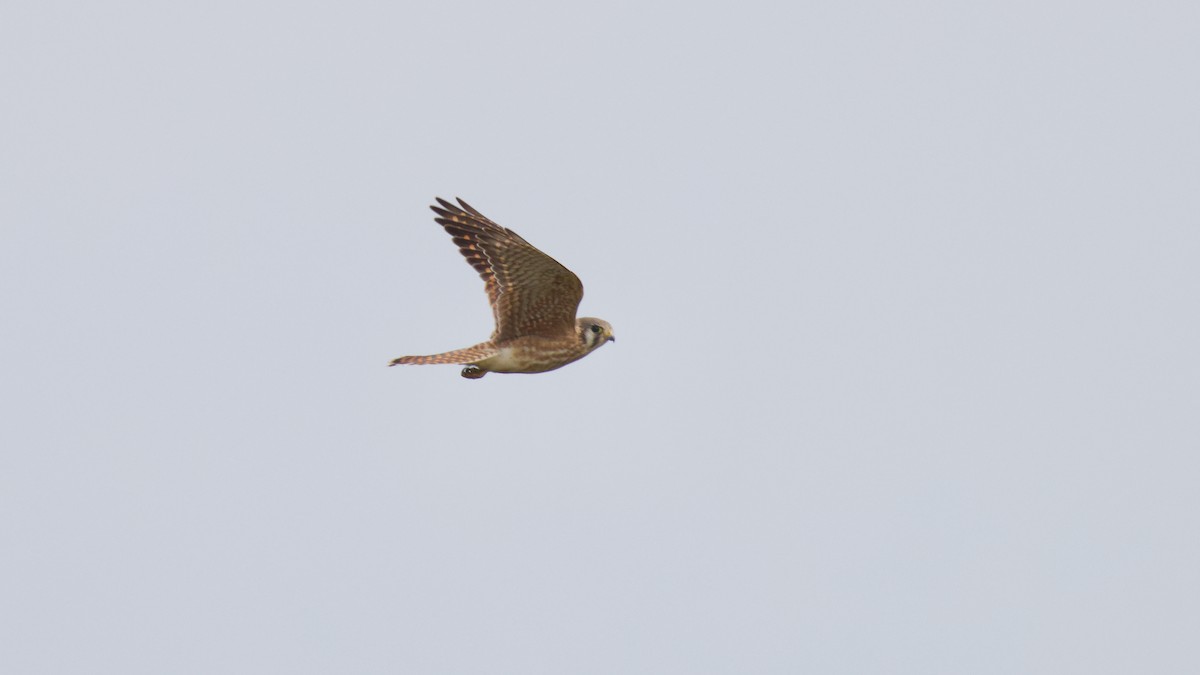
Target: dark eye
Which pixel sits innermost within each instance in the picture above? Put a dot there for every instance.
(595, 328)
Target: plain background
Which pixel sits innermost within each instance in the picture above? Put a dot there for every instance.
(907, 378)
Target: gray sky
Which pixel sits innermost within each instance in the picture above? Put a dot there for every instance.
(907, 379)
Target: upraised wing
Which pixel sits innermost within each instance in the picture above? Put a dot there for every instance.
(530, 292)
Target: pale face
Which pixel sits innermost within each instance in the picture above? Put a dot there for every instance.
(595, 332)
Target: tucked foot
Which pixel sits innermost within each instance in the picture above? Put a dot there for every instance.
(473, 372)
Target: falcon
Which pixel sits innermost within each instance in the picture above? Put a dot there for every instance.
(533, 299)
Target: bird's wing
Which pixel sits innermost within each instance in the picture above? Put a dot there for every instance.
(530, 292)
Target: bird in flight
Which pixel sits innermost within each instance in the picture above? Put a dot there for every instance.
(533, 298)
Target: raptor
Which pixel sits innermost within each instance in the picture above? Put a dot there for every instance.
(533, 298)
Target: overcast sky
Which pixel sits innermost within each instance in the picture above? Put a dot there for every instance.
(907, 379)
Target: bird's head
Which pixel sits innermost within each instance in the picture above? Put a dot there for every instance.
(594, 332)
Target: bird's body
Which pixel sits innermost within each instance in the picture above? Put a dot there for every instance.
(533, 298)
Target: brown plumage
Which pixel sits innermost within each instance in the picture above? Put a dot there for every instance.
(467, 355)
(533, 298)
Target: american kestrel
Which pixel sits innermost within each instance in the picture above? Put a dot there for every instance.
(533, 298)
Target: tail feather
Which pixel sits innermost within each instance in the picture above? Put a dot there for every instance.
(468, 355)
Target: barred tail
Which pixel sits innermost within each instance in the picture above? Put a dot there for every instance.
(468, 355)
